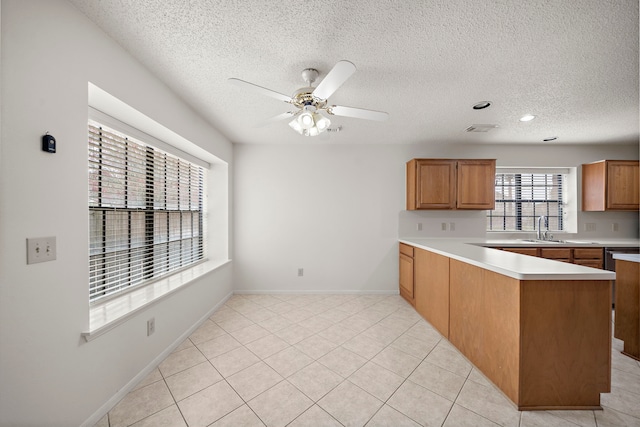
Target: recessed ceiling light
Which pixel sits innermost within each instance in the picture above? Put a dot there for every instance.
(552, 138)
(527, 118)
(481, 105)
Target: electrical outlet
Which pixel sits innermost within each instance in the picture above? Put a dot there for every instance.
(614, 226)
(41, 249)
(419, 226)
(151, 326)
(452, 226)
(589, 226)
(443, 226)
(300, 272)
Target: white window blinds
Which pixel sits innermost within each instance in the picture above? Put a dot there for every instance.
(145, 212)
(524, 195)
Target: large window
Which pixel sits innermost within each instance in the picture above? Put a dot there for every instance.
(145, 212)
(522, 196)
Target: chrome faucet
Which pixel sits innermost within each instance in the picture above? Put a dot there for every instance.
(540, 234)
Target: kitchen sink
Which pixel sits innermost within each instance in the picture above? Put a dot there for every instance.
(541, 241)
(573, 242)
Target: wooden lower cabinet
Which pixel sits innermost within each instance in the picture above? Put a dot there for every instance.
(558, 254)
(407, 273)
(589, 257)
(524, 338)
(576, 357)
(432, 289)
(545, 344)
(627, 320)
(488, 336)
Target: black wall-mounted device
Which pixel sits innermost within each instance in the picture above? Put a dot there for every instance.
(48, 143)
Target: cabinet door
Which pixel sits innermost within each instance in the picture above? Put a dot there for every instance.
(593, 263)
(406, 277)
(558, 254)
(436, 184)
(593, 186)
(588, 253)
(611, 185)
(623, 185)
(476, 184)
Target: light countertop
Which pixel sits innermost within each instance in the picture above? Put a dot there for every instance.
(627, 257)
(522, 267)
(569, 243)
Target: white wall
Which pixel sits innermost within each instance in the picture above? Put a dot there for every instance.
(337, 210)
(48, 374)
(330, 209)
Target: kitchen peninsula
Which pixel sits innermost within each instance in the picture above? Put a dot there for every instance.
(539, 329)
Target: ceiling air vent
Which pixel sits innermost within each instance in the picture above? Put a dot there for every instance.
(481, 128)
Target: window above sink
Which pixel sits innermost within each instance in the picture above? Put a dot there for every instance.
(523, 194)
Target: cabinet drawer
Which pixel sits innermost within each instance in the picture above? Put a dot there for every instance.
(593, 263)
(587, 253)
(555, 253)
(406, 250)
(523, 251)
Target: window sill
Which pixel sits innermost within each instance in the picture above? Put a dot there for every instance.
(107, 315)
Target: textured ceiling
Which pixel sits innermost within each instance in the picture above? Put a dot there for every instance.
(573, 64)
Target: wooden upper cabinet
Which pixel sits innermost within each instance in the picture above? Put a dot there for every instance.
(436, 184)
(611, 185)
(476, 184)
(450, 184)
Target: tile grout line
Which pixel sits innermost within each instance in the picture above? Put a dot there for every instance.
(401, 384)
(353, 308)
(315, 402)
(456, 398)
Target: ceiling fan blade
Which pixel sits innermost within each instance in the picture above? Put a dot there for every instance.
(336, 77)
(279, 117)
(358, 113)
(262, 90)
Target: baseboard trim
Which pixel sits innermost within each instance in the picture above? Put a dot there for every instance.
(315, 292)
(113, 401)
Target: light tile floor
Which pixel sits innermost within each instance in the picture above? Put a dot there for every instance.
(338, 360)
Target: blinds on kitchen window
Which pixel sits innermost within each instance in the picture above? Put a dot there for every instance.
(145, 212)
(522, 197)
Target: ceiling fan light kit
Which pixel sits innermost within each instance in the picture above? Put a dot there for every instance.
(310, 122)
(311, 102)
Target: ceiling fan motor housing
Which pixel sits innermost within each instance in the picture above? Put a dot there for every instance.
(304, 96)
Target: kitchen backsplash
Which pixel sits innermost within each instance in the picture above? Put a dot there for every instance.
(590, 225)
(442, 224)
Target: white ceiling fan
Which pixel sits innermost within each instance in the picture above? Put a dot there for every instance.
(311, 102)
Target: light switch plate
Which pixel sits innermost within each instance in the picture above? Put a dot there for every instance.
(41, 249)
